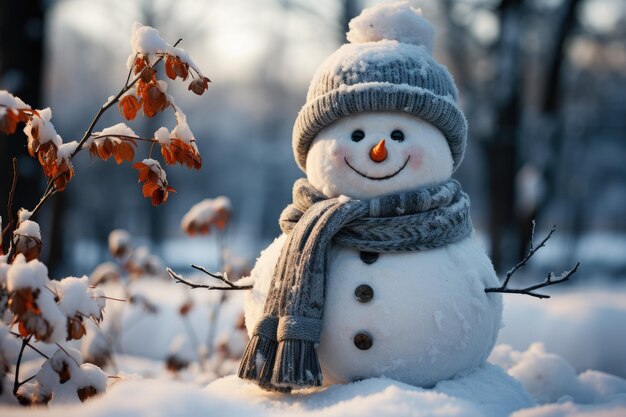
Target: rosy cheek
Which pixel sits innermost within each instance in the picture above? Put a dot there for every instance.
(340, 154)
(416, 156)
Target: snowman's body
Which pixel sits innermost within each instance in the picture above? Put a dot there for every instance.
(429, 317)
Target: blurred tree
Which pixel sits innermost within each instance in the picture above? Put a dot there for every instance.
(21, 59)
(349, 9)
(550, 109)
(502, 147)
(502, 95)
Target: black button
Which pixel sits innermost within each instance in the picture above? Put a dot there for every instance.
(369, 257)
(363, 341)
(364, 293)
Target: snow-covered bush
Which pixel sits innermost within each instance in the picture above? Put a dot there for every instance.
(32, 306)
(186, 352)
(207, 214)
(51, 311)
(64, 378)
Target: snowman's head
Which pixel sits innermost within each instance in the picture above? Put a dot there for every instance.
(369, 155)
(383, 84)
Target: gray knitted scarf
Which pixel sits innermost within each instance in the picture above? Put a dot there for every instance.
(282, 351)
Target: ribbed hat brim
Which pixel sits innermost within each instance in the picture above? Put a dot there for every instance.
(379, 96)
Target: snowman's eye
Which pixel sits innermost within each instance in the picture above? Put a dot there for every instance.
(397, 135)
(357, 135)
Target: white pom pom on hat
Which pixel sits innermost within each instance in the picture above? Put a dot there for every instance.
(397, 21)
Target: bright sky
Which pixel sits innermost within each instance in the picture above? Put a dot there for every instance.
(233, 38)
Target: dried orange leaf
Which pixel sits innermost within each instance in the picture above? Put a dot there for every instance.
(128, 107)
(148, 74)
(199, 85)
(169, 67)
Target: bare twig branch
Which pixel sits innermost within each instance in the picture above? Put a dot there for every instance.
(30, 346)
(193, 339)
(112, 298)
(231, 287)
(68, 354)
(126, 137)
(130, 71)
(16, 382)
(30, 378)
(551, 279)
(49, 193)
(9, 227)
(10, 224)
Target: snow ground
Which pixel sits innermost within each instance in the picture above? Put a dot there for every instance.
(579, 329)
(488, 392)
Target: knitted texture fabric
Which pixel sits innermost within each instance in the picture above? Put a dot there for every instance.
(281, 353)
(381, 76)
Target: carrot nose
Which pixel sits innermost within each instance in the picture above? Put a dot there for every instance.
(378, 153)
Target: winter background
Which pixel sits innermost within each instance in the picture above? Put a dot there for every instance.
(549, 145)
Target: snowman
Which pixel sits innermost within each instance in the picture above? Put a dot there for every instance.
(377, 273)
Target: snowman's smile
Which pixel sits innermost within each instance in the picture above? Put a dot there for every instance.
(384, 177)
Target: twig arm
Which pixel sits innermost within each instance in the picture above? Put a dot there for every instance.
(220, 277)
(550, 280)
(232, 287)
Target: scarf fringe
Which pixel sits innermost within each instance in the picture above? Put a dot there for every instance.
(297, 365)
(257, 361)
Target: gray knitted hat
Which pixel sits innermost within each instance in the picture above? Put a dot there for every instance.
(386, 66)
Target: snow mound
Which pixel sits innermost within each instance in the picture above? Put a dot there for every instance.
(397, 21)
(550, 378)
(579, 324)
(479, 393)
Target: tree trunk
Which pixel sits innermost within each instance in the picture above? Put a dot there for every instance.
(349, 9)
(21, 60)
(550, 107)
(502, 148)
